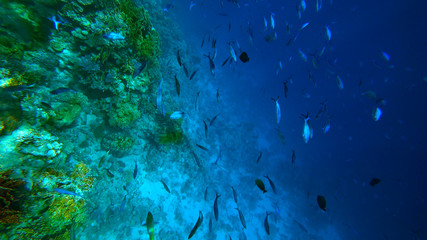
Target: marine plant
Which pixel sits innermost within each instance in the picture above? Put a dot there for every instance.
(170, 131)
(142, 34)
(23, 28)
(66, 108)
(118, 143)
(124, 114)
(11, 197)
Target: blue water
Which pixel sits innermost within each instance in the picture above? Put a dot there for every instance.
(339, 164)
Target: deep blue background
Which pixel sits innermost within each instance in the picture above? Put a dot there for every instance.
(341, 163)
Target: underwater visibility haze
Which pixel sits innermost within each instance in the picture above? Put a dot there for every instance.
(222, 119)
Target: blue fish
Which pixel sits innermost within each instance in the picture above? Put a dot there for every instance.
(113, 36)
(159, 96)
(66, 192)
(55, 22)
(135, 171)
(138, 70)
(123, 204)
(177, 115)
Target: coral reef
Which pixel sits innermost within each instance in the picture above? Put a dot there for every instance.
(55, 211)
(119, 144)
(11, 196)
(124, 114)
(58, 67)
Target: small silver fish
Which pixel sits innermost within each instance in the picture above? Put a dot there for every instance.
(177, 115)
(272, 23)
(278, 112)
(328, 33)
(113, 36)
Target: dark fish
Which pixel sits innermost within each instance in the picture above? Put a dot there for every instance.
(270, 37)
(292, 39)
(266, 226)
(374, 181)
(211, 122)
(322, 202)
(197, 225)
(150, 225)
(193, 74)
(103, 158)
(178, 58)
(202, 147)
(123, 204)
(187, 74)
(210, 225)
(229, 27)
(301, 226)
(244, 57)
(165, 186)
(43, 210)
(135, 171)
(226, 60)
(138, 71)
(219, 157)
(234, 194)
(203, 40)
(242, 218)
(322, 109)
(288, 28)
(281, 137)
(216, 206)
(206, 194)
(47, 105)
(259, 157)
(311, 79)
(285, 87)
(217, 95)
(109, 174)
(211, 65)
(177, 86)
(271, 184)
(213, 42)
(294, 157)
(62, 90)
(196, 103)
(196, 158)
(260, 185)
(206, 129)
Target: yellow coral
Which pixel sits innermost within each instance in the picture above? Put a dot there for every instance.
(9, 80)
(65, 208)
